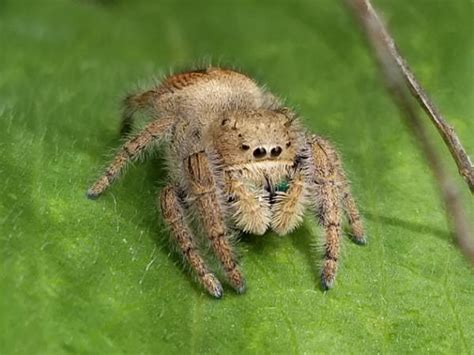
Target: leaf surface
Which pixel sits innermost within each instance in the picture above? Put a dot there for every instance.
(96, 277)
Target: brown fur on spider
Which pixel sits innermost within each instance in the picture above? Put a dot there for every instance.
(238, 160)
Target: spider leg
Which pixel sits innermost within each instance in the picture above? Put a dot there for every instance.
(251, 212)
(134, 103)
(350, 207)
(326, 180)
(130, 151)
(172, 211)
(204, 189)
(289, 207)
(353, 216)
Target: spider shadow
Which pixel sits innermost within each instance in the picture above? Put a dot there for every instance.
(414, 227)
(302, 240)
(308, 244)
(258, 244)
(102, 3)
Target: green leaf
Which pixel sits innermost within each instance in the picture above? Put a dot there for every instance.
(96, 277)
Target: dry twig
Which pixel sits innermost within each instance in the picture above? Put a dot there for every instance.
(396, 73)
(465, 166)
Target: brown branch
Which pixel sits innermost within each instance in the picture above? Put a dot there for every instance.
(396, 74)
(465, 166)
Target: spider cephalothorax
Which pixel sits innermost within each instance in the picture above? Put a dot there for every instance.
(254, 136)
(239, 160)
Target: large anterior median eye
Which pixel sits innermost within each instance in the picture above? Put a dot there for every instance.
(244, 147)
(260, 152)
(276, 151)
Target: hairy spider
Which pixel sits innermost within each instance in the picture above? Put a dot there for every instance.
(238, 161)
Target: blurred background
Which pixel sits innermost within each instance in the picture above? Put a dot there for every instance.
(78, 276)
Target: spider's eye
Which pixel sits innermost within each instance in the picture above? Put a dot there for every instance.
(259, 152)
(275, 152)
(288, 144)
(245, 147)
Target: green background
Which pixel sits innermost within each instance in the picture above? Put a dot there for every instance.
(78, 276)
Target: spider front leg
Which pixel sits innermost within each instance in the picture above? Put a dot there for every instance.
(204, 189)
(251, 210)
(172, 211)
(130, 151)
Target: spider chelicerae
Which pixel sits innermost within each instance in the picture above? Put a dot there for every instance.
(238, 161)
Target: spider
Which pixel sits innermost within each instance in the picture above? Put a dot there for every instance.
(239, 161)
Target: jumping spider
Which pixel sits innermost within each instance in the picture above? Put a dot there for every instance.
(238, 161)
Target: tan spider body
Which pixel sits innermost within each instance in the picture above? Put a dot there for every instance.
(238, 160)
